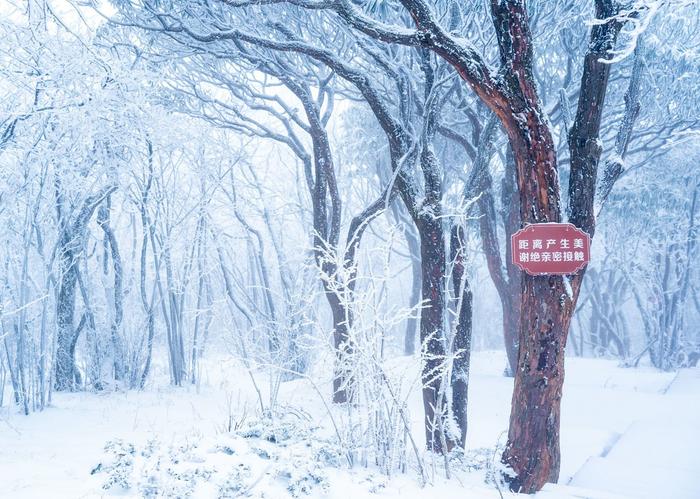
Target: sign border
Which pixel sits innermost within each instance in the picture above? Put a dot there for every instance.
(566, 225)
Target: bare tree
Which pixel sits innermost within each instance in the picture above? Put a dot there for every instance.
(547, 303)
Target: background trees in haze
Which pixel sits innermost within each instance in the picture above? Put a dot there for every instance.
(190, 175)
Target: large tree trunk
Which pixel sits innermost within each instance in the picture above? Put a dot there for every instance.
(65, 323)
(547, 302)
(433, 269)
(71, 236)
(546, 305)
(533, 436)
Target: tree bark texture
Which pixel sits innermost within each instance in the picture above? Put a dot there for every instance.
(461, 346)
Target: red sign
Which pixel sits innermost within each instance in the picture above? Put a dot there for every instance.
(551, 248)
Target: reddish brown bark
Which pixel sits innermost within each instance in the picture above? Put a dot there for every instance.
(547, 303)
(532, 450)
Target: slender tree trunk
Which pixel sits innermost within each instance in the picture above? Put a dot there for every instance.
(13, 372)
(118, 360)
(147, 232)
(87, 322)
(415, 296)
(342, 379)
(511, 319)
(510, 204)
(402, 218)
(3, 378)
(204, 313)
(21, 325)
(326, 223)
(65, 320)
(43, 352)
(461, 346)
(172, 307)
(42, 361)
(259, 270)
(506, 278)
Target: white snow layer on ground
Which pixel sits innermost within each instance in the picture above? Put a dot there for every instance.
(625, 433)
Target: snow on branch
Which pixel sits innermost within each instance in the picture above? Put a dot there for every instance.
(636, 20)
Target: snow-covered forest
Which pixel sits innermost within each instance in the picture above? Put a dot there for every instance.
(267, 248)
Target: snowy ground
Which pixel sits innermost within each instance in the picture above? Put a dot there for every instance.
(625, 433)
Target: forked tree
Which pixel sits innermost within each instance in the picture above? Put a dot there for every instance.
(510, 91)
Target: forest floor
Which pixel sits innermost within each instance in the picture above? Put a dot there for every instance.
(626, 433)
